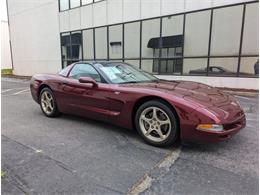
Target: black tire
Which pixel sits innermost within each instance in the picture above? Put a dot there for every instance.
(174, 130)
(54, 112)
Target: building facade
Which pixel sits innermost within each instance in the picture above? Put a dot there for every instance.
(209, 41)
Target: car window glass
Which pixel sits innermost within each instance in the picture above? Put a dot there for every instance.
(84, 70)
(64, 72)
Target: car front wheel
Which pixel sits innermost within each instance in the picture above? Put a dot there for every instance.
(156, 123)
(48, 103)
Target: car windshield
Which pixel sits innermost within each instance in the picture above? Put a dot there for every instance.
(126, 73)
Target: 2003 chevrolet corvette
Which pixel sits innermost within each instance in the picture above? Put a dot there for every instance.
(119, 93)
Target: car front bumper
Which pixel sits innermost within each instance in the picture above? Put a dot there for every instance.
(193, 134)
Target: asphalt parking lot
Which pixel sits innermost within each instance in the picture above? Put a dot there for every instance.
(72, 155)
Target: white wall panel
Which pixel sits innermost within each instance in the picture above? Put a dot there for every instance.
(100, 13)
(150, 8)
(227, 2)
(197, 4)
(115, 12)
(35, 47)
(172, 6)
(5, 46)
(75, 19)
(87, 16)
(131, 10)
(64, 21)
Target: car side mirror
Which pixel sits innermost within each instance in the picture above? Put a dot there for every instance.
(88, 80)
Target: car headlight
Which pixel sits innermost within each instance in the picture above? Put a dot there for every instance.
(210, 127)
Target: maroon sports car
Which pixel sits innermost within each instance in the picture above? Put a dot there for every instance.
(119, 93)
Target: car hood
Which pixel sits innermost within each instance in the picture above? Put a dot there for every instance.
(201, 94)
(221, 106)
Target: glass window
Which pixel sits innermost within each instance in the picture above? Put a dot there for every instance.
(64, 72)
(133, 62)
(88, 47)
(172, 25)
(148, 65)
(97, 0)
(74, 3)
(195, 66)
(226, 30)
(65, 46)
(132, 40)
(123, 73)
(84, 2)
(115, 42)
(171, 66)
(251, 30)
(223, 66)
(84, 70)
(150, 29)
(197, 34)
(249, 66)
(76, 44)
(101, 43)
(64, 5)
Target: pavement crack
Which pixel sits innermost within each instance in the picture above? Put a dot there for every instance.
(158, 171)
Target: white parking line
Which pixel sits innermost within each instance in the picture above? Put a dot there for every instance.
(19, 92)
(3, 91)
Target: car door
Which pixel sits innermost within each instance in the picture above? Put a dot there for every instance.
(83, 98)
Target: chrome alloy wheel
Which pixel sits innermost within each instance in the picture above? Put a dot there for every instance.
(47, 102)
(155, 124)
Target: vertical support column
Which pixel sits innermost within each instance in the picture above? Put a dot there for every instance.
(107, 42)
(160, 47)
(241, 40)
(140, 51)
(94, 43)
(123, 42)
(209, 46)
(183, 40)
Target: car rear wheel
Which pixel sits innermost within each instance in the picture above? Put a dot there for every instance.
(48, 103)
(156, 123)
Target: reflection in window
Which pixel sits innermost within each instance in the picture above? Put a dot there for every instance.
(71, 46)
(197, 33)
(64, 5)
(101, 42)
(88, 47)
(251, 30)
(76, 43)
(249, 66)
(65, 46)
(223, 66)
(115, 41)
(195, 66)
(132, 40)
(150, 29)
(226, 28)
(74, 3)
